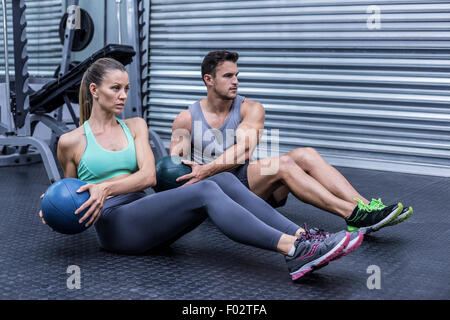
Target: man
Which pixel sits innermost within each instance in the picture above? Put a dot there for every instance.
(203, 132)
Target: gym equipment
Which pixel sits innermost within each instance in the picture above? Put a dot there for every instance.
(135, 70)
(72, 93)
(69, 34)
(168, 169)
(5, 42)
(51, 95)
(16, 126)
(119, 31)
(83, 33)
(22, 109)
(59, 204)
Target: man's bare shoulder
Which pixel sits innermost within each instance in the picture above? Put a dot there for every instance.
(252, 107)
(182, 120)
(250, 103)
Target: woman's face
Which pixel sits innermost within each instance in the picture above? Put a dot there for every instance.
(112, 93)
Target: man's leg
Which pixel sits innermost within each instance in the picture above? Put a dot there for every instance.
(288, 174)
(313, 164)
(280, 194)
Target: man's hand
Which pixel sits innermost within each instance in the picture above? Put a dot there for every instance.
(199, 172)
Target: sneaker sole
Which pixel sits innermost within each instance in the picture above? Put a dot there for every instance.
(390, 218)
(402, 217)
(383, 223)
(330, 255)
(352, 245)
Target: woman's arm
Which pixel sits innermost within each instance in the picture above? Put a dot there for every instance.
(144, 178)
(66, 150)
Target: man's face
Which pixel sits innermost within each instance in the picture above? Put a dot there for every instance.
(225, 83)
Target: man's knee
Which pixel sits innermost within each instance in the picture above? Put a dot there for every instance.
(286, 163)
(305, 157)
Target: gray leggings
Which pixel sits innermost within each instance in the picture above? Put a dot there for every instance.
(136, 222)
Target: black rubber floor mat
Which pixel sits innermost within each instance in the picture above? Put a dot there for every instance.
(412, 257)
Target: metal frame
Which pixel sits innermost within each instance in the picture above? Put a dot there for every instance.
(64, 66)
(17, 140)
(134, 69)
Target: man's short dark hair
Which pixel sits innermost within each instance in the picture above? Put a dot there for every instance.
(214, 58)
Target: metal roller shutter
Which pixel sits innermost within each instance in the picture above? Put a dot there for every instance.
(44, 47)
(363, 97)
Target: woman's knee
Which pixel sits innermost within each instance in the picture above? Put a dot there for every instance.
(224, 176)
(208, 184)
(224, 179)
(208, 189)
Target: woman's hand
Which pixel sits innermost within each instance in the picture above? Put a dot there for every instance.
(40, 213)
(98, 194)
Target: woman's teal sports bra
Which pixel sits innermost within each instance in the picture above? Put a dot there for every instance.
(98, 164)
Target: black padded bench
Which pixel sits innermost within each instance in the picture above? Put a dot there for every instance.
(51, 95)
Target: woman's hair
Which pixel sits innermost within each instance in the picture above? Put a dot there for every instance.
(94, 74)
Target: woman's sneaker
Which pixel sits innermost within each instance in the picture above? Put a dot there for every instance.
(356, 238)
(405, 214)
(368, 219)
(312, 252)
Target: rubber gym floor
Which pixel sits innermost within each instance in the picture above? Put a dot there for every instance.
(412, 257)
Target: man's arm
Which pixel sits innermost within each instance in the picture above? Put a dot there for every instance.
(180, 142)
(248, 134)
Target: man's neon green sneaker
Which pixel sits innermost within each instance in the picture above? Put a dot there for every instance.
(405, 214)
(368, 219)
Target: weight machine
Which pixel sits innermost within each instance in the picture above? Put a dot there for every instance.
(22, 108)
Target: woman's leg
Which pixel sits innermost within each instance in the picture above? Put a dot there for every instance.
(146, 223)
(155, 219)
(250, 201)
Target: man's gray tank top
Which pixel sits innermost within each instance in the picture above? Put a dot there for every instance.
(208, 143)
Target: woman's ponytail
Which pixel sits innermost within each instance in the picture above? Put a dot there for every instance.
(85, 99)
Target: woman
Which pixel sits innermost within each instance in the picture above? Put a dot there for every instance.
(114, 158)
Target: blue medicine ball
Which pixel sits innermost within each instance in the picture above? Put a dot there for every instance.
(59, 204)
